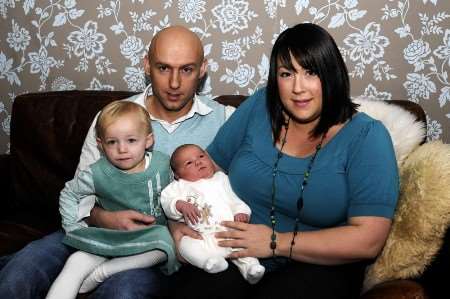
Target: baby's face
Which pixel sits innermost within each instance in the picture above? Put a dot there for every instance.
(193, 163)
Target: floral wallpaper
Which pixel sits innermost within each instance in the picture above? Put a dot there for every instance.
(394, 49)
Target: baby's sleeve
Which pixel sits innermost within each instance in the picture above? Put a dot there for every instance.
(169, 197)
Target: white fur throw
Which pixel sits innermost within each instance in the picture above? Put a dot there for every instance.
(421, 218)
(406, 133)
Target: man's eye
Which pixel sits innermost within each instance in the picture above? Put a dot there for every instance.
(202, 156)
(162, 68)
(187, 70)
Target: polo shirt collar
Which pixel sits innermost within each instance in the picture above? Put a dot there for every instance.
(198, 106)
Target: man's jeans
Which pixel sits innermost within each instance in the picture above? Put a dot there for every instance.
(29, 273)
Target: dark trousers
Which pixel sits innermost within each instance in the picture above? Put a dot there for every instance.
(294, 280)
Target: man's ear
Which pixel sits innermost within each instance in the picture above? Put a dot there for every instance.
(147, 64)
(149, 140)
(203, 68)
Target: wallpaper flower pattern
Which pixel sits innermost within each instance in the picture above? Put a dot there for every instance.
(394, 49)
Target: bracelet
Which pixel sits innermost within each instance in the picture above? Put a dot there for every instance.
(273, 243)
(294, 234)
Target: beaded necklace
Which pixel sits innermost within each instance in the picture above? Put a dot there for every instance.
(306, 176)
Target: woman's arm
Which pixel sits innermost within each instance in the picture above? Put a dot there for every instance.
(362, 238)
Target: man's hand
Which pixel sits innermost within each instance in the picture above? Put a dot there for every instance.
(120, 220)
(178, 231)
(241, 217)
(189, 211)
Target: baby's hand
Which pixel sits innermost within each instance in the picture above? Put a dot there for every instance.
(189, 211)
(241, 217)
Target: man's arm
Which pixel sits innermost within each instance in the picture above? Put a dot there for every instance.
(75, 194)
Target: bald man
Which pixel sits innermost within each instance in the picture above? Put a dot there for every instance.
(176, 65)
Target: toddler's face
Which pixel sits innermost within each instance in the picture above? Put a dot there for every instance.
(124, 143)
(193, 163)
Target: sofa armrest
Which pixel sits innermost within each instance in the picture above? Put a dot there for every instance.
(13, 234)
(5, 183)
(396, 289)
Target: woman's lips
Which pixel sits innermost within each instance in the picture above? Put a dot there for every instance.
(302, 103)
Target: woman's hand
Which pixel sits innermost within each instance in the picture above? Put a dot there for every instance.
(252, 239)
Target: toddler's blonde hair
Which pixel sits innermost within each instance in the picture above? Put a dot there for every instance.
(116, 109)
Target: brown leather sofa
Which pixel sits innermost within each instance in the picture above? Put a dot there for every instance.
(47, 132)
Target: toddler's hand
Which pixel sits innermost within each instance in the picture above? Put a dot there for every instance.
(241, 217)
(189, 211)
(120, 220)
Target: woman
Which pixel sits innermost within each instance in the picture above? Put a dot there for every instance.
(320, 178)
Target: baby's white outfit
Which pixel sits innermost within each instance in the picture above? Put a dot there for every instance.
(216, 202)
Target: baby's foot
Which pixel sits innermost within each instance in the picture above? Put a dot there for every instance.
(255, 273)
(215, 265)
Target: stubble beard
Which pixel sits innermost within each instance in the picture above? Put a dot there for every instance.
(167, 105)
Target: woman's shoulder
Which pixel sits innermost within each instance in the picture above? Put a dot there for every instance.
(357, 128)
(362, 121)
(252, 108)
(257, 99)
(362, 128)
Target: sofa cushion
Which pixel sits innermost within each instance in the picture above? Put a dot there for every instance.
(421, 218)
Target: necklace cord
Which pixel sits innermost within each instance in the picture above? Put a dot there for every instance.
(273, 237)
(306, 176)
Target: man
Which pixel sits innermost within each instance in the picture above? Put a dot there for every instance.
(175, 64)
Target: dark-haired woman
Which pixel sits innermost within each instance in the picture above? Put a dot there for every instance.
(321, 179)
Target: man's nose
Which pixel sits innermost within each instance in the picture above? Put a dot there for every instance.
(174, 80)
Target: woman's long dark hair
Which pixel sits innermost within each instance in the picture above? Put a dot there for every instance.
(315, 50)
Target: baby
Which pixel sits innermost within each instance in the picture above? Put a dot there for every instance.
(202, 197)
(128, 176)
